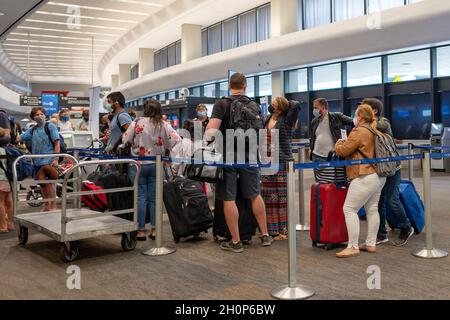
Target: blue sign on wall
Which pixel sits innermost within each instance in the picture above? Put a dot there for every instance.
(50, 102)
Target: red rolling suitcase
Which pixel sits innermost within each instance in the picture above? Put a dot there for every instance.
(328, 228)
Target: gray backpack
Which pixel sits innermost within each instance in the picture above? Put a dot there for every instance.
(384, 148)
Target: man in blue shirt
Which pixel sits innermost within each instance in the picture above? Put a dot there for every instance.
(120, 121)
(43, 143)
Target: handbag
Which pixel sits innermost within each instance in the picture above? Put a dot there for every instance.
(202, 171)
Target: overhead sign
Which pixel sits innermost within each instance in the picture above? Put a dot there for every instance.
(50, 102)
(30, 101)
(69, 102)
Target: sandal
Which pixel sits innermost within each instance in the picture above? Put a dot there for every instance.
(4, 231)
(152, 234)
(280, 237)
(348, 253)
(144, 238)
(367, 248)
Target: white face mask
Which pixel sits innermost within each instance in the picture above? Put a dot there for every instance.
(40, 120)
(355, 121)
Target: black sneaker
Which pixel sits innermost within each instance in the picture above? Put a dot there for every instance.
(382, 239)
(266, 241)
(230, 246)
(404, 237)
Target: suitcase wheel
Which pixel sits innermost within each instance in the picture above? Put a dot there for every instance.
(314, 244)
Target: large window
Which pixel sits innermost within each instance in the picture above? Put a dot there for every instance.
(409, 66)
(230, 34)
(364, 72)
(195, 92)
(347, 9)
(327, 77)
(164, 59)
(443, 62)
(379, 5)
(302, 128)
(335, 106)
(135, 72)
(251, 87)
(247, 28)
(264, 23)
(265, 85)
(204, 42)
(316, 13)
(171, 52)
(224, 89)
(297, 81)
(157, 60)
(215, 39)
(210, 91)
(445, 108)
(411, 116)
(178, 52)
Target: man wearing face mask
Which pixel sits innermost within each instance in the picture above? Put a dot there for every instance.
(64, 121)
(84, 124)
(120, 120)
(202, 116)
(325, 131)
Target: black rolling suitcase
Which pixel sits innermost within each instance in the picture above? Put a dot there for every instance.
(122, 200)
(187, 207)
(247, 223)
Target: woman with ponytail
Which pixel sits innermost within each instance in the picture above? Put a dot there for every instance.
(365, 187)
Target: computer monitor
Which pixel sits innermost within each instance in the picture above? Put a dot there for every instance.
(436, 129)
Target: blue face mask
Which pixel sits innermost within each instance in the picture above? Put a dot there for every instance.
(64, 118)
(316, 113)
(202, 114)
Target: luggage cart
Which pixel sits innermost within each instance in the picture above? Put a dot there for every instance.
(70, 225)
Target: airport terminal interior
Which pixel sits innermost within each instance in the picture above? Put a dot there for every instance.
(351, 102)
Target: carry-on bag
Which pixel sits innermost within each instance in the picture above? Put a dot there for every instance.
(328, 227)
(247, 223)
(187, 207)
(413, 205)
(119, 200)
(96, 202)
(203, 172)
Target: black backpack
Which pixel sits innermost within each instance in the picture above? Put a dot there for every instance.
(63, 146)
(245, 114)
(12, 125)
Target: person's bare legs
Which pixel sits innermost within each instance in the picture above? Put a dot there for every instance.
(52, 195)
(9, 211)
(232, 218)
(3, 217)
(49, 192)
(259, 211)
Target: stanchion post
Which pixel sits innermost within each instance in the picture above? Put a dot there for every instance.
(428, 252)
(303, 225)
(159, 250)
(411, 162)
(292, 291)
(76, 184)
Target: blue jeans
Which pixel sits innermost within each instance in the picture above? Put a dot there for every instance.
(146, 193)
(390, 197)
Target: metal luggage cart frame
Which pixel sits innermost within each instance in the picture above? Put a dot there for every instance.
(68, 226)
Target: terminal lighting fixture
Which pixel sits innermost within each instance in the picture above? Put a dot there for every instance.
(2, 14)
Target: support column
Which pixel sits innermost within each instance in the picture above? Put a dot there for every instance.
(146, 61)
(277, 84)
(191, 42)
(284, 15)
(124, 73)
(114, 81)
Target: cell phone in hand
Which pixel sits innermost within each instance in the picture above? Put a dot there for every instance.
(344, 134)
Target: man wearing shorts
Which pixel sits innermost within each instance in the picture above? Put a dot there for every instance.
(249, 179)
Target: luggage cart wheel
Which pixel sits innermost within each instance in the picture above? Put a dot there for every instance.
(129, 241)
(23, 235)
(69, 251)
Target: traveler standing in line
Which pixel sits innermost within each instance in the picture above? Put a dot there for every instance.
(120, 120)
(390, 195)
(365, 187)
(5, 124)
(84, 124)
(149, 136)
(6, 209)
(202, 116)
(284, 115)
(43, 143)
(64, 123)
(250, 179)
(325, 132)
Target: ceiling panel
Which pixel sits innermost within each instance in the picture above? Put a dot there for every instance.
(12, 11)
(59, 35)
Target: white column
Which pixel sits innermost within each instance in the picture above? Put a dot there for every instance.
(191, 42)
(114, 81)
(277, 84)
(146, 61)
(284, 15)
(124, 73)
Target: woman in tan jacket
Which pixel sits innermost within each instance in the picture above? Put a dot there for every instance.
(365, 187)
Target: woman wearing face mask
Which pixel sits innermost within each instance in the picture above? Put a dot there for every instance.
(202, 116)
(284, 115)
(365, 187)
(44, 143)
(64, 121)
